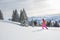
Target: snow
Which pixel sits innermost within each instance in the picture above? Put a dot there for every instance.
(10, 31)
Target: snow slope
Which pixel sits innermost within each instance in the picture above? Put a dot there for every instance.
(9, 31)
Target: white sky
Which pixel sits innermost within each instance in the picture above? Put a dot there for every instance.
(32, 7)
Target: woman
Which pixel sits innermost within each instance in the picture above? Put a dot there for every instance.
(44, 24)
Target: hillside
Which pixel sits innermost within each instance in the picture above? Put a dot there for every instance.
(9, 31)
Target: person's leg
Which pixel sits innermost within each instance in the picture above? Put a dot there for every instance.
(42, 27)
(46, 27)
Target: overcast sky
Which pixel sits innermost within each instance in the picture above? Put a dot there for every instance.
(32, 7)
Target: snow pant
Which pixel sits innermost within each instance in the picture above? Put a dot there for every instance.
(44, 26)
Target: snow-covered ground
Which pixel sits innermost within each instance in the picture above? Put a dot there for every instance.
(10, 31)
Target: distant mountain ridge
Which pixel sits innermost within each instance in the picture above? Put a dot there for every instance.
(48, 17)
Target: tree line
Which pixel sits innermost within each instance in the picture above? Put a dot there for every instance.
(49, 23)
(23, 19)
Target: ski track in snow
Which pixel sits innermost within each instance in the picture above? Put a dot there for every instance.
(10, 31)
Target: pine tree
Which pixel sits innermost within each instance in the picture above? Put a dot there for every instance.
(32, 22)
(56, 24)
(15, 16)
(23, 18)
(49, 23)
(1, 15)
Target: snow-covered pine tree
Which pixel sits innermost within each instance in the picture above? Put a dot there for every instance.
(32, 22)
(1, 15)
(23, 18)
(15, 16)
(20, 20)
(56, 24)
